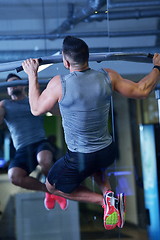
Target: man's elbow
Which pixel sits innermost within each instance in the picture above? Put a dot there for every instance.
(144, 94)
(35, 112)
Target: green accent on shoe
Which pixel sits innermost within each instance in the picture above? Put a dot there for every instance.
(112, 219)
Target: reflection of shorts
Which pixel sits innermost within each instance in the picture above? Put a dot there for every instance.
(26, 157)
(70, 170)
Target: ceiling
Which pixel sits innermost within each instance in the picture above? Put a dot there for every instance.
(35, 28)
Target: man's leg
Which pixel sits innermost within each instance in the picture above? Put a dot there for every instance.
(45, 160)
(82, 194)
(19, 177)
(107, 200)
(102, 181)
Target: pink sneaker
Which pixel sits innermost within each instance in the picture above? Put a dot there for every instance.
(122, 209)
(49, 201)
(63, 203)
(110, 210)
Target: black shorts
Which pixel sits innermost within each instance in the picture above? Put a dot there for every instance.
(73, 168)
(26, 157)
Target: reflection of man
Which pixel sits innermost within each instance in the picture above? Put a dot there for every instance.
(84, 101)
(29, 140)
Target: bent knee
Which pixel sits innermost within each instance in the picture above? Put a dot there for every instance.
(45, 158)
(15, 180)
(16, 177)
(50, 188)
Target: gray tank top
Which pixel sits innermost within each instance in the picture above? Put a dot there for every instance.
(85, 108)
(23, 126)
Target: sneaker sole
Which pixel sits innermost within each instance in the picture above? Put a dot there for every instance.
(110, 222)
(121, 210)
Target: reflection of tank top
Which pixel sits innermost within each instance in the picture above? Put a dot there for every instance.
(85, 108)
(23, 126)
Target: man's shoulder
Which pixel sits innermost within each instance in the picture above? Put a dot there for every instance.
(2, 102)
(2, 111)
(54, 80)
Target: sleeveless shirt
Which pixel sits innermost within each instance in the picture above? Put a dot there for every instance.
(24, 127)
(84, 109)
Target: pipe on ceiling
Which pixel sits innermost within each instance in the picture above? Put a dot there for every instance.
(80, 34)
(96, 17)
(133, 4)
(80, 15)
(95, 5)
(129, 14)
(86, 14)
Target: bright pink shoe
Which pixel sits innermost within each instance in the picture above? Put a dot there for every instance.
(122, 209)
(63, 203)
(110, 210)
(49, 201)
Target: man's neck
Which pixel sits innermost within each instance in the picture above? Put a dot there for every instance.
(79, 68)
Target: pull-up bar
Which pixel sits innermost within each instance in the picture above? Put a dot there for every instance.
(98, 57)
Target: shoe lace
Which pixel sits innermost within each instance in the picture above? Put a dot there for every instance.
(114, 202)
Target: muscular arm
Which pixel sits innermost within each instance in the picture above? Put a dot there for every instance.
(41, 102)
(2, 112)
(132, 89)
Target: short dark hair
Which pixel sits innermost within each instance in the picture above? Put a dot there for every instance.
(10, 75)
(76, 49)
